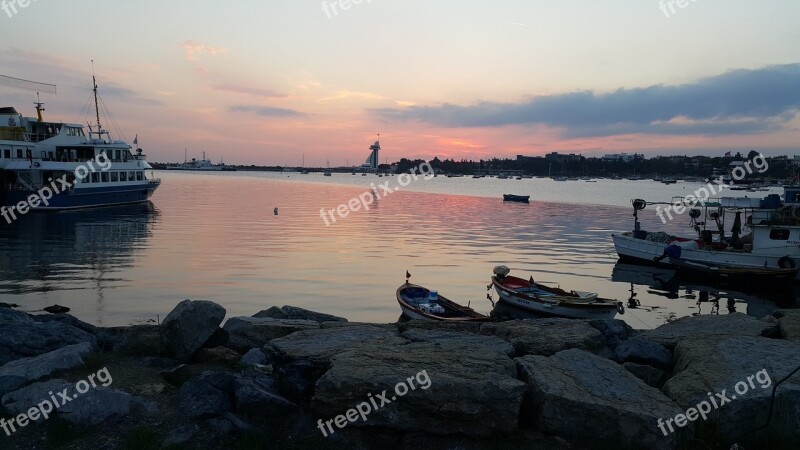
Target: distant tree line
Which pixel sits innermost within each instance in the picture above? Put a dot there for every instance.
(561, 165)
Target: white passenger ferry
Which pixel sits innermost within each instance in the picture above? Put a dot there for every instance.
(79, 170)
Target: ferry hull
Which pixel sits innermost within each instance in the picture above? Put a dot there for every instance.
(86, 197)
(630, 248)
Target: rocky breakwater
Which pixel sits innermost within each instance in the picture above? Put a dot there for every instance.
(291, 378)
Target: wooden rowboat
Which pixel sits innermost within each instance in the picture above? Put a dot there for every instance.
(552, 301)
(420, 303)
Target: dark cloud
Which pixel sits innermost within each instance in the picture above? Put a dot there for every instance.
(736, 102)
(266, 111)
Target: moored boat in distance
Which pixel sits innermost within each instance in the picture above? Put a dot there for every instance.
(516, 198)
(420, 303)
(201, 165)
(38, 157)
(550, 301)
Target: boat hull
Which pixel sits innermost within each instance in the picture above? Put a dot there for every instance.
(630, 248)
(85, 197)
(452, 312)
(558, 310)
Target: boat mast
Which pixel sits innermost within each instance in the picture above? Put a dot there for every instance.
(96, 107)
(39, 107)
(100, 132)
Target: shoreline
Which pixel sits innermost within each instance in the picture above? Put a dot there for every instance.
(280, 378)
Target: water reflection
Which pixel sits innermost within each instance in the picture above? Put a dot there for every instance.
(87, 250)
(709, 297)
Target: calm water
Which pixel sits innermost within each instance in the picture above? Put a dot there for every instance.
(215, 236)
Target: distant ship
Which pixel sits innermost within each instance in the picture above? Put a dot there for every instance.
(203, 165)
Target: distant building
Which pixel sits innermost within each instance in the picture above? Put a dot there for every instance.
(559, 158)
(523, 158)
(374, 157)
(624, 157)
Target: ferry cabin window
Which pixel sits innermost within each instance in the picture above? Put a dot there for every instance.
(114, 176)
(131, 176)
(139, 176)
(95, 177)
(779, 234)
(104, 177)
(7, 153)
(19, 153)
(123, 176)
(86, 178)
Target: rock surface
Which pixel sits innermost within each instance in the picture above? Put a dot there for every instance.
(581, 396)
(546, 336)
(464, 341)
(199, 399)
(474, 393)
(789, 323)
(707, 327)
(643, 351)
(189, 326)
(22, 336)
(97, 405)
(293, 312)
(20, 372)
(713, 366)
(259, 331)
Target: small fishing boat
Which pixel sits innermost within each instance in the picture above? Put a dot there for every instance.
(733, 273)
(552, 301)
(420, 303)
(516, 198)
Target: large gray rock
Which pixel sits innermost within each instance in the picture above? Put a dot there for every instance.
(259, 331)
(581, 396)
(20, 372)
(455, 392)
(139, 340)
(301, 358)
(649, 374)
(181, 435)
(319, 346)
(199, 399)
(97, 405)
(707, 327)
(711, 366)
(189, 326)
(293, 312)
(546, 336)
(261, 399)
(643, 351)
(253, 357)
(458, 327)
(464, 341)
(22, 336)
(789, 323)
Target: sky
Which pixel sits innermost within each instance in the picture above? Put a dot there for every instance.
(287, 82)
